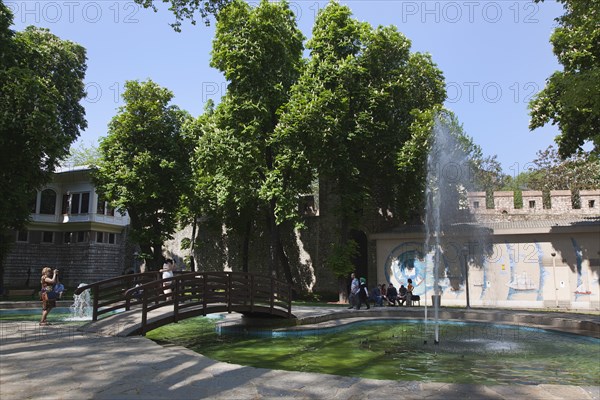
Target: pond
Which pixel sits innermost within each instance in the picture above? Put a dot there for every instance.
(392, 349)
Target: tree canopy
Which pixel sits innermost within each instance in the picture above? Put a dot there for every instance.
(351, 114)
(40, 111)
(40, 114)
(144, 165)
(259, 50)
(188, 9)
(551, 172)
(571, 97)
(83, 155)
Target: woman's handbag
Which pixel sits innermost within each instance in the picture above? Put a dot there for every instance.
(59, 288)
(48, 295)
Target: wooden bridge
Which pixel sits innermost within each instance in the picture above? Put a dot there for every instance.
(192, 294)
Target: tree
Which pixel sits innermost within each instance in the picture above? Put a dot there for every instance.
(349, 116)
(83, 155)
(581, 171)
(571, 97)
(187, 9)
(144, 164)
(259, 51)
(194, 203)
(40, 115)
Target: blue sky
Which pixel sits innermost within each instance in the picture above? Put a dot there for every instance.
(495, 56)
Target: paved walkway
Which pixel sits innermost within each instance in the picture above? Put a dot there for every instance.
(60, 362)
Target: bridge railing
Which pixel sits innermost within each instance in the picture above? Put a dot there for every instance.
(200, 290)
(109, 295)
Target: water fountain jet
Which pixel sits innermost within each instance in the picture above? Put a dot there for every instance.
(81, 309)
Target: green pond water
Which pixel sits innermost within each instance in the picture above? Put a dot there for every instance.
(388, 349)
(467, 353)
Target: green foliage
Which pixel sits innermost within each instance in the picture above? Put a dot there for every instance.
(571, 98)
(40, 114)
(83, 155)
(581, 171)
(187, 9)
(259, 51)
(144, 163)
(341, 256)
(549, 171)
(350, 114)
(40, 111)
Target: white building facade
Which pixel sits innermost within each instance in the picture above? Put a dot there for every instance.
(71, 228)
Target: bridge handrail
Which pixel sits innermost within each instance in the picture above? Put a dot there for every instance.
(106, 300)
(194, 289)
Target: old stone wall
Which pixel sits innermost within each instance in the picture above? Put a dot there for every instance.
(77, 263)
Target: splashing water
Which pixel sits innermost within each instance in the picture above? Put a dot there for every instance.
(447, 178)
(81, 309)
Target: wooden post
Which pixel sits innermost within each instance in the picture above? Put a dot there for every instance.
(289, 299)
(204, 295)
(272, 293)
(175, 293)
(144, 313)
(251, 293)
(95, 294)
(228, 292)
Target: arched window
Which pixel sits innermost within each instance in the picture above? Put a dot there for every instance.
(48, 202)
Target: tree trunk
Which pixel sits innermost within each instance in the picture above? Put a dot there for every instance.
(5, 243)
(283, 259)
(342, 290)
(273, 240)
(193, 246)
(157, 256)
(246, 246)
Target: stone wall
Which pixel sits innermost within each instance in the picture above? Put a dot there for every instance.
(561, 205)
(308, 249)
(556, 267)
(77, 263)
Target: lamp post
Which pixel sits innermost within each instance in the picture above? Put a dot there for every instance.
(465, 253)
(553, 254)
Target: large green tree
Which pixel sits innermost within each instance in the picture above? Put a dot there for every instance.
(350, 115)
(41, 86)
(144, 164)
(571, 97)
(259, 50)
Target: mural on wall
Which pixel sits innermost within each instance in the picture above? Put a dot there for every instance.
(485, 284)
(515, 271)
(525, 266)
(407, 262)
(543, 272)
(583, 281)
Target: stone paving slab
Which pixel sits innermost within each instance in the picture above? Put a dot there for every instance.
(60, 362)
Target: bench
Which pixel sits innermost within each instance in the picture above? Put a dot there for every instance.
(416, 298)
(21, 292)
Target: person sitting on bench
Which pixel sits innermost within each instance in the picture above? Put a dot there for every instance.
(392, 295)
(402, 295)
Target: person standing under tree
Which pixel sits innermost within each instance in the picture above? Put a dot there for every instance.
(167, 272)
(354, 286)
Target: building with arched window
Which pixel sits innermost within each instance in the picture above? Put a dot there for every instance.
(72, 229)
